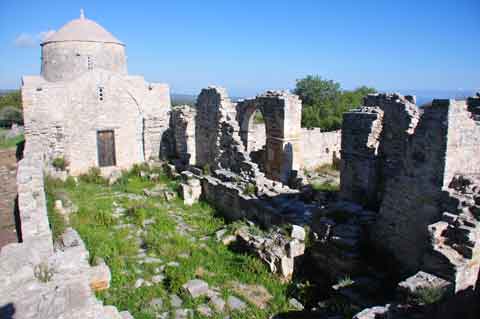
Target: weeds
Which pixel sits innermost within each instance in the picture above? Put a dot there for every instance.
(55, 219)
(250, 189)
(94, 176)
(119, 246)
(325, 187)
(428, 295)
(60, 163)
(345, 282)
(43, 272)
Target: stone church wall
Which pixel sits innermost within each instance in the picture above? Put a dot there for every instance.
(68, 115)
(64, 61)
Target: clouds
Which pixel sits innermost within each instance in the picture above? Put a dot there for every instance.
(28, 40)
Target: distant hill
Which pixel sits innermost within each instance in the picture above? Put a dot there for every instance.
(6, 91)
(181, 99)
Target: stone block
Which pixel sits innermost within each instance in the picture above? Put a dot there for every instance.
(297, 232)
(100, 277)
(196, 288)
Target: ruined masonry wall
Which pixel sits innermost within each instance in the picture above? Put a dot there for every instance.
(398, 159)
(361, 132)
(183, 126)
(69, 289)
(410, 200)
(320, 148)
(217, 139)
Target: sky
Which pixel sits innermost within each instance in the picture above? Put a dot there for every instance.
(250, 46)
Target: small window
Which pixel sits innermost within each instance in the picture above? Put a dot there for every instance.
(101, 93)
(90, 62)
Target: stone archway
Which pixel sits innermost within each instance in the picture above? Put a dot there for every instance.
(282, 114)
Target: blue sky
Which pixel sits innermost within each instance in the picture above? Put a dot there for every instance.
(248, 46)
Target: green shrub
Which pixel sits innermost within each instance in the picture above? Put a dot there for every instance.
(428, 295)
(9, 142)
(326, 169)
(10, 115)
(59, 163)
(325, 187)
(258, 118)
(345, 282)
(55, 219)
(43, 272)
(250, 189)
(138, 168)
(206, 169)
(94, 176)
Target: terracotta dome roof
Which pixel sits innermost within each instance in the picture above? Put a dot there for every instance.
(84, 30)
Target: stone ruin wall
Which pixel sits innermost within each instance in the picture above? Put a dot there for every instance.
(182, 123)
(217, 139)
(71, 287)
(220, 134)
(400, 160)
(320, 148)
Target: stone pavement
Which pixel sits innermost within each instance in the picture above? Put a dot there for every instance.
(8, 191)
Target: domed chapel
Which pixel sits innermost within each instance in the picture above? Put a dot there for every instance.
(86, 108)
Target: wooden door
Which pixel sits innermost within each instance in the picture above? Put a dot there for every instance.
(106, 148)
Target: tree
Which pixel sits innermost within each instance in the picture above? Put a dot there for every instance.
(11, 99)
(324, 102)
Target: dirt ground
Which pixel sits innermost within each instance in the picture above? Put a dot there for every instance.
(8, 192)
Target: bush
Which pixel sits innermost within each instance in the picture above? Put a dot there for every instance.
(59, 163)
(325, 187)
(250, 189)
(43, 272)
(428, 295)
(55, 219)
(94, 176)
(206, 169)
(10, 115)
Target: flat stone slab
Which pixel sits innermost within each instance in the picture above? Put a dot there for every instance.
(236, 304)
(175, 301)
(205, 310)
(196, 287)
(423, 280)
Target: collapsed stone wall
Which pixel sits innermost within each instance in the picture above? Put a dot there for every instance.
(36, 279)
(182, 124)
(320, 148)
(217, 141)
(397, 159)
(455, 239)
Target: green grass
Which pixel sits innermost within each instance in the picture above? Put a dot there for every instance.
(258, 118)
(325, 187)
(99, 229)
(56, 220)
(9, 142)
(328, 169)
(428, 295)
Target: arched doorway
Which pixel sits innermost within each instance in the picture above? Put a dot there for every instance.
(281, 113)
